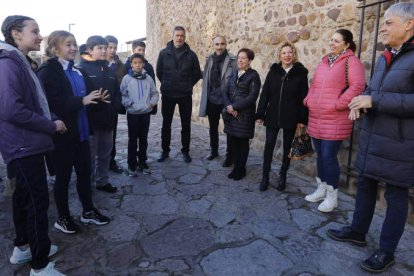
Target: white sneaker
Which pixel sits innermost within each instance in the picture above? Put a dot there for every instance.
(23, 256)
(320, 192)
(49, 270)
(331, 200)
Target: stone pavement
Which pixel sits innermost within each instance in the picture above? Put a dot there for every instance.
(190, 219)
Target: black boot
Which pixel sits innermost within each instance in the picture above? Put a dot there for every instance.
(240, 174)
(213, 154)
(228, 162)
(282, 182)
(265, 183)
(233, 173)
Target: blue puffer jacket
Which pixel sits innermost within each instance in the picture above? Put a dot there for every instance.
(24, 131)
(386, 144)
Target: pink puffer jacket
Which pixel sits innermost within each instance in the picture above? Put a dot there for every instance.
(328, 107)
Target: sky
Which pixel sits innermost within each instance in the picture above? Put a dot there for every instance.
(124, 19)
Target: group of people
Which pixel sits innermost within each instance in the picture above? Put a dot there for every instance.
(71, 112)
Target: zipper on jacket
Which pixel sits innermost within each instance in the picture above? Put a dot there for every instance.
(280, 96)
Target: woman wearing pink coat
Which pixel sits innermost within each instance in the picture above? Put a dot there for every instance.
(327, 101)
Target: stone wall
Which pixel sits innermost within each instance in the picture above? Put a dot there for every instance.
(262, 25)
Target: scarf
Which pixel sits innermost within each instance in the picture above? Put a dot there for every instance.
(332, 57)
(215, 74)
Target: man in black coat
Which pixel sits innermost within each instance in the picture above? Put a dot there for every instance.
(386, 140)
(178, 70)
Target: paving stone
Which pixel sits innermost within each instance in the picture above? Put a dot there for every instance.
(172, 265)
(156, 205)
(199, 206)
(151, 223)
(220, 216)
(257, 258)
(306, 220)
(112, 231)
(183, 237)
(302, 246)
(191, 178)
(234, 233)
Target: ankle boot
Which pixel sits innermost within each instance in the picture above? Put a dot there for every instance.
(265, 183)
(319, 193)
(232, 174)
(282, 182)
(240, 174)
(331, 200)
(213, 154)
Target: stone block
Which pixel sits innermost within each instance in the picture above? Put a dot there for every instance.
(304, 34)
(333, 14)
(293, 36)
(297, 8)
(291, 21)
(320, 3)
(303, 20)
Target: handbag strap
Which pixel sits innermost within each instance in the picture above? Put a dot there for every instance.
(346, 73)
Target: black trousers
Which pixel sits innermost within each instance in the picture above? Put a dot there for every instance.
(271, 137)
(115, 124)
(185, 105)
(65, 157)
(240, 151)
(395, 217)
(138, 127)
(213, 113)
(30, 205)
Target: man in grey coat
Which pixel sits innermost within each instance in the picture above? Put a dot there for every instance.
(217, 72)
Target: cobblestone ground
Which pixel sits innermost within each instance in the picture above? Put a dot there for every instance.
(190, 219)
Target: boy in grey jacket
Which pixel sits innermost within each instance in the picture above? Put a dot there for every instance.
(139, 96)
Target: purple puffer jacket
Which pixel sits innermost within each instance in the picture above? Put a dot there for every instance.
(24, 131)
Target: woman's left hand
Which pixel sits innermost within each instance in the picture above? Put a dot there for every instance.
(361, 101)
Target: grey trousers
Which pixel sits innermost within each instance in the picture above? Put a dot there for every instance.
(101, 147)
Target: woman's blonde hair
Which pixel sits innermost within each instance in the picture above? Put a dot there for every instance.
(54, 40)
(292, 46)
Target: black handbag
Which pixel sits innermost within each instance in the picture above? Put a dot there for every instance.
(301, 145)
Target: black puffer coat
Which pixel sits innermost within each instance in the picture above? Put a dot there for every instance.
(281, 100)
(242, 96)
(386, 143)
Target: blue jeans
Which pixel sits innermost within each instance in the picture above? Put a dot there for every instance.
(327, 160)
(395, 217)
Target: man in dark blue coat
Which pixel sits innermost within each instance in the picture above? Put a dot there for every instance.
(178, 70)
(386, 142)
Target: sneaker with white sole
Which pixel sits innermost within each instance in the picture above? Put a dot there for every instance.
(67, 225)
(143, 167)
(132, 172)
(23, 256)
(49, 270)
(94, 217)
(319, 193)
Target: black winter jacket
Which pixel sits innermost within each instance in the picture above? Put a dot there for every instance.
(62, 102)
(177, 77)
(242, 96)
(281, 100)
(386, 141)
(102, 114)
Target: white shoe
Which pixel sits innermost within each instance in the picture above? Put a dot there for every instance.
(331, 200)
(49, 270)
(320, 192)
(23, 256)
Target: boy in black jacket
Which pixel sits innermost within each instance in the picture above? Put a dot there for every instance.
(96, 67)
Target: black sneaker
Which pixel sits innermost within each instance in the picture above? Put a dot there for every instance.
(213, 154)
(345, 234)
(186, 157)
(143, 167)
(108, 187)
(163, 157)
(94, 217)
(378, 262)
(67, 225)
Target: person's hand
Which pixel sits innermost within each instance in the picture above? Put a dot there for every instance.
(361, 101)
(259, 121)
(300, 125)
(60, 126)
(92, 97)
(105, 97)
(230, 109)
(235, 114)
(354, 114)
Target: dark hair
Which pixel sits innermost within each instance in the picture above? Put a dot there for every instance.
(138, 43)
(13, 22)
(111, 39)
(94, 40)
(178, 28)
(348, 38)
(54, 40)
(136, 55)
(83, 49)
(249, 53)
